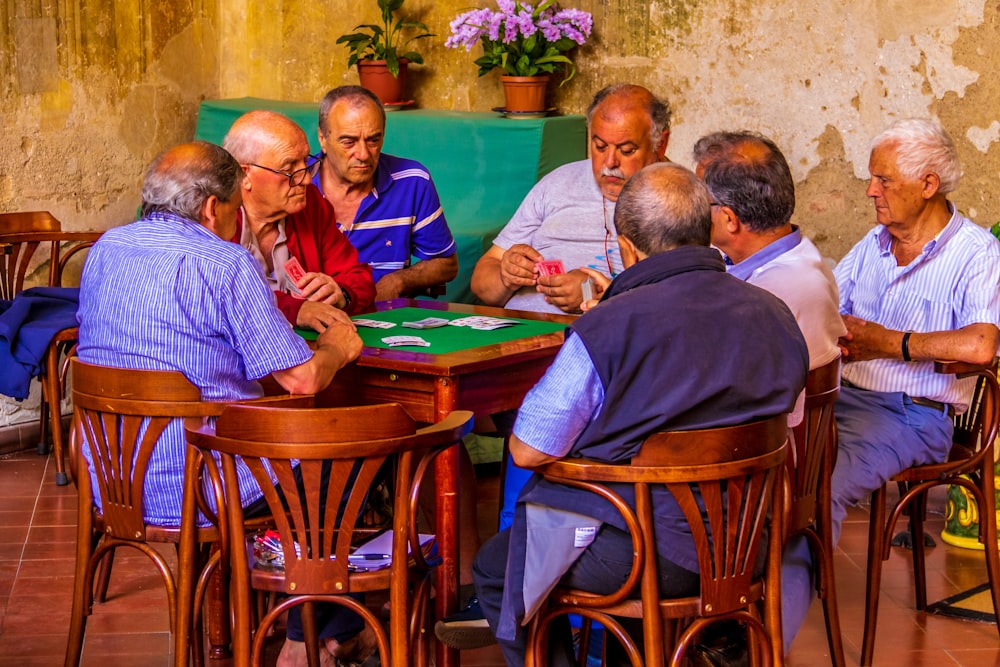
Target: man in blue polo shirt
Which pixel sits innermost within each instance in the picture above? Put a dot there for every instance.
(386, 205)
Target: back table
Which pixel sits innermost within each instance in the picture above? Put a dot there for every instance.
(482, 164)
(490, 375)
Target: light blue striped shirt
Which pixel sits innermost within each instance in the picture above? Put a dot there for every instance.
(567, 398)
(165, 293)
(953, 283)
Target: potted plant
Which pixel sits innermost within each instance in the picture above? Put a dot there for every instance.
(378, 51)
(522, 41)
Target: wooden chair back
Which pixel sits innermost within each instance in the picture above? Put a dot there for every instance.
(119, 415)
(21, 234)
(727, 483)
(315, 468)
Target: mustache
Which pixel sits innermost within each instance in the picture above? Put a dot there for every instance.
(613, 173)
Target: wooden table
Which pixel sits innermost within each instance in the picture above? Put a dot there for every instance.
(486, 380)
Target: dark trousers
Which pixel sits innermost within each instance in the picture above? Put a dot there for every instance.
(602, 568)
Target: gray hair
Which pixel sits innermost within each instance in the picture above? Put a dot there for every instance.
(756, 184)
(922, 146)
(181, 178)
(256, 132)
(664, 206)
(658, 109)
(355, 95)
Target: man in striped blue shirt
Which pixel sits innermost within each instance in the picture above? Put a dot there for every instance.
(924, 284)
(170, 292)
(387, 206)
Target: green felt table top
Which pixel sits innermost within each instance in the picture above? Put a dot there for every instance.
(444, 339)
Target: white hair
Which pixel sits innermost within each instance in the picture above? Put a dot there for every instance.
(922, 146)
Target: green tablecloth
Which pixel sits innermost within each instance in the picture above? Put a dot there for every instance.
(442, 339)
(482, 164)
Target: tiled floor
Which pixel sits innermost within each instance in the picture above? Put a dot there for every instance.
(37, 520)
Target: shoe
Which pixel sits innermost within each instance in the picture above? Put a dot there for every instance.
(465, 629)
(721, 645)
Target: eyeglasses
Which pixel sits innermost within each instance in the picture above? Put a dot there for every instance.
(299, 176)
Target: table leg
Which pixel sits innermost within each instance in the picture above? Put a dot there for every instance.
(446, 482)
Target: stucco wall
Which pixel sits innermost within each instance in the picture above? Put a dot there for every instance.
(93, 89)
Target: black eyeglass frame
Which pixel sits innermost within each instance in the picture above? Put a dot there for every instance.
(299, 176)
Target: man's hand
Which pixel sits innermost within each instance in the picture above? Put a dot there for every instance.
(867, 340)
(322, 288)
(318, 315)
(563, 290)
(517, 266)
(600, 282)
(389, 286)
(342, 339)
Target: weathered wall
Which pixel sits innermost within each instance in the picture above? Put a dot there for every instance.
(92, 89)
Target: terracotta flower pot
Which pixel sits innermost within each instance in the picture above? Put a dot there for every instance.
(524, 93)
(376, 77)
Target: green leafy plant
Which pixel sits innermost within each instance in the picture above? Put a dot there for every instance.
(385, 42)
(995, 229)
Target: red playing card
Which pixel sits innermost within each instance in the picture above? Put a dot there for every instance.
(294, 270)
(550, 267)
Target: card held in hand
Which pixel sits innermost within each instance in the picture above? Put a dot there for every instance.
(550, 267)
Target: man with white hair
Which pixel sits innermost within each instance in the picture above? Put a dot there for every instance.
(924, 284)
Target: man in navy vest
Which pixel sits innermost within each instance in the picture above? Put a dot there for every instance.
(674, 344)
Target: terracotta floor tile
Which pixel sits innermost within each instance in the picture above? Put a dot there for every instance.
(36, 580)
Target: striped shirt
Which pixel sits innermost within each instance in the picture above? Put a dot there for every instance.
(954, 282)
(401, 217)
(164, 293)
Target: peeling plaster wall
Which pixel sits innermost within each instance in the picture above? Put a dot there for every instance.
(91, 92)
(93, 89)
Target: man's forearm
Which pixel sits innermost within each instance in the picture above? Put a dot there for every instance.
(487, 284)
(414, 279)
(974, 344)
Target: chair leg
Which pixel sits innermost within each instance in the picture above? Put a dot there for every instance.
(52, 394)
(103, 577)
(873, 580)
(82, 590)
(917, 515)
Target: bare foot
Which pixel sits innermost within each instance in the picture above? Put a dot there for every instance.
(293, 654)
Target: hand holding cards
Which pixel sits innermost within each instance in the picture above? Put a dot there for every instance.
(550, 267)
(295, 273)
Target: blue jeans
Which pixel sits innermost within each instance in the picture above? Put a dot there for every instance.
(879, 434)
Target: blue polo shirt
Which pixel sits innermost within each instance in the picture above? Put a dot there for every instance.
(400, 218)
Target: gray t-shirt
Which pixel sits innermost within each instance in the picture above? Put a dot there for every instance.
(564, 217)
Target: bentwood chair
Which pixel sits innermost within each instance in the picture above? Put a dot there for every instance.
(728, 483)
(119, 415)
(315, 468)
(810, 464)
(21, 235)
(969, 465)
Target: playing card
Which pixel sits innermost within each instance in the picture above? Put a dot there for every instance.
(482, 322)
(550, 267)
(294, 270)
(373, 324)
(405, 341)
(426, 323)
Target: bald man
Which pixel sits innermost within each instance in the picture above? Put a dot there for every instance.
(284, 218)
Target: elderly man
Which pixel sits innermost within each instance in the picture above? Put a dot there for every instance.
(569, 214)
(753, 198)
(285, 218)
(633, 350)
(169, 292)
(924, 284)
(386, 205)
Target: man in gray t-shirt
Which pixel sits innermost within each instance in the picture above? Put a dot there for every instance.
(569, 214)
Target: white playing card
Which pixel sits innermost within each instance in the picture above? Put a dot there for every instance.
(426, 323)
(373, 324)
(405, 341)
